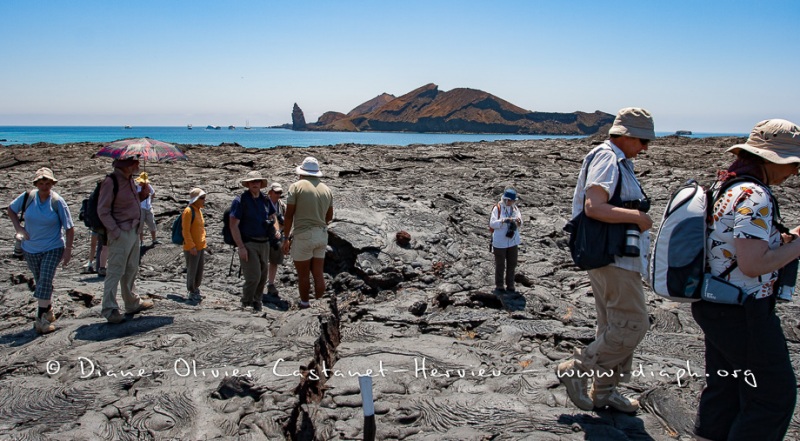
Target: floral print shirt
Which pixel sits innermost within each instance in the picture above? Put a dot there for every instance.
(745, 211)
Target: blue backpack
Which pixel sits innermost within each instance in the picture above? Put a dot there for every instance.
(177, 228)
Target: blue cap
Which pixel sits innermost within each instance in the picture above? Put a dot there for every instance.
(510, 194)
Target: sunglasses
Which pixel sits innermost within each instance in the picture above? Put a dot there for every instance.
(644, 141)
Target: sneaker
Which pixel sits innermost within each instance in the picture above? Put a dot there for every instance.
(155, 242)
(101, 271)
(567, 373)
(115, 317)
(272, 290)
(143, 305)
(304, 305)
(42, 326)
(607, 395)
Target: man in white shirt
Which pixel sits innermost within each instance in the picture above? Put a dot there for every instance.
(622, 319)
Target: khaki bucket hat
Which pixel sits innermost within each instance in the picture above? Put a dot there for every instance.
(254, 176)
(634, 122)
(775, 140)
(44, 173)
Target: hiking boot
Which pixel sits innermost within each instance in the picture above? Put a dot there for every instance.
(256, 306)
(567, 373)
(272, 290)
(195, 296)
(511, 290)
(143, 305)
(42, 326)
(607, 395)
(101, 271)
(115, 317)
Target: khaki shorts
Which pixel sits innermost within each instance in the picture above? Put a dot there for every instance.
(148, 219)
(309, 243)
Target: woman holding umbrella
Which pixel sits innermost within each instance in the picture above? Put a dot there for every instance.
(46, 215)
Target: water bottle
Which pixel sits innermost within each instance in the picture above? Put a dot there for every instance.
(631, 241)
(786, 280)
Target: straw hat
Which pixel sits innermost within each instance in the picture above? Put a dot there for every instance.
(776, 140)
(143, 178)
(44, 173)
(309, 167)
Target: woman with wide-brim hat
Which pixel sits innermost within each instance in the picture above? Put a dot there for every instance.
(46, 215)
(746, 235)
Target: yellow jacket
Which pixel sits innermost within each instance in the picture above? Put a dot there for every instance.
(194, 232)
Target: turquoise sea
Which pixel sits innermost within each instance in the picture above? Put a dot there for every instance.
(255, 137)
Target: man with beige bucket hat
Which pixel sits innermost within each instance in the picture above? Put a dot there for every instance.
(254, 228)
(608, 191)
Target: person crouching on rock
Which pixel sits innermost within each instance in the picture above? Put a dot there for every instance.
(309, 210)
(121, 214)
(254, 228)
(622, 319)
(506, 221)
(193, 226)
(45, 215)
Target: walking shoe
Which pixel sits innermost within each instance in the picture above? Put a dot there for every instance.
(115, 317)
(304, 305)
(49, 315)
(155, 242)
(143, 304)
(195, 296)
(272, 290)
(567, 373)
(256, 306)
(101, 271)
(42, 326)
(607, 395)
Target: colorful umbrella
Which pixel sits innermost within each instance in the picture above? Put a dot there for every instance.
(145, 149)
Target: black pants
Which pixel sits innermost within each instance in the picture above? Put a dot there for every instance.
(749, 339)
(505, 264)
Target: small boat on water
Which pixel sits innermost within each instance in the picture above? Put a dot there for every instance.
(210, 127)
(127, 127)
(683, 133)
(189, 126)
(231, 127)
(247, 125)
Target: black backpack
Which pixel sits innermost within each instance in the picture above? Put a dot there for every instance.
(88, 213)
(227, 237)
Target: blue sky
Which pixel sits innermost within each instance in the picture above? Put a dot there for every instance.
(706, 66)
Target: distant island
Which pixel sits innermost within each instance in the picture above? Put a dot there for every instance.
(461, 110)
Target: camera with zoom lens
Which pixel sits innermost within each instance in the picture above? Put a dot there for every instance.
(512, 227)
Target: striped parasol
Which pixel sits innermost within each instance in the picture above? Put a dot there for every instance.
(145, 149)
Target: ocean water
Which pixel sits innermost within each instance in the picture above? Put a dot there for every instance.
(255, 137)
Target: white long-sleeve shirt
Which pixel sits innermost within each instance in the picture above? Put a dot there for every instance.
(499, 239)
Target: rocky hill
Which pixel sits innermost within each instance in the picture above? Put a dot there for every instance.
(427, 109)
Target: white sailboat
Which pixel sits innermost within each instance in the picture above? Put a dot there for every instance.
(247, 125)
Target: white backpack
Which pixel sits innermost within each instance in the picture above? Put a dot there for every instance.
(678, 260)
